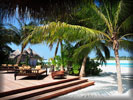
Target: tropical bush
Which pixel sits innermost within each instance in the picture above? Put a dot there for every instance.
(74, 70)
(91, 67)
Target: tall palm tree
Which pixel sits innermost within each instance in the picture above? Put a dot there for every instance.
(119, 27)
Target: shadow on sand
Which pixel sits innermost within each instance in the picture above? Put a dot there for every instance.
(41, 77)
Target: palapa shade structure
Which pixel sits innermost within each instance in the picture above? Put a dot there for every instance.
(40, 9)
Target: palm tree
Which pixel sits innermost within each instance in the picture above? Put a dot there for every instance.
(118, 29)
(6, 37)
(23, 30)
(86, 46)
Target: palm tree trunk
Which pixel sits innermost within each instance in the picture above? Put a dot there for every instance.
(56, 50)
(82, 70)
(62, 65)
(19, 58)
(118, 69)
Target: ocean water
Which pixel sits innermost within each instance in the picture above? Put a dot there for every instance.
(123, 63)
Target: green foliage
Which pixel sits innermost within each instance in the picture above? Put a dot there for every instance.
(57, 62)
(22, 63)
(75, 69)
(40, 62)
(91, 67)
(6, 36)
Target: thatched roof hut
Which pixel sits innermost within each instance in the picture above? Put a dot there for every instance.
(29, 53)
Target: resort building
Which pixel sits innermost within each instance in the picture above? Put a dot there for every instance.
(28, 56)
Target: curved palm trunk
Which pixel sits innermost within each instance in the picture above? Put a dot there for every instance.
(62, 65)
(56, 50)
(82, 70)
(119, 80)
(20, 56)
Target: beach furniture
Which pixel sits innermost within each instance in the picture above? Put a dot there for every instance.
(28, 71)
(58, 74)
(9, 67)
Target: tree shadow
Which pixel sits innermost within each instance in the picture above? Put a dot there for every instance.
(41, 77)
(3, 72)
(127, 81)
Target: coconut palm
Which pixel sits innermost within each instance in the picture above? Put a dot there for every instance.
(6, 37)
(118, 30)
(86, 46)
(50, 36)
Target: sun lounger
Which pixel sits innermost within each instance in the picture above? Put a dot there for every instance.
(58, 73)
(23, 71)
(9, 67)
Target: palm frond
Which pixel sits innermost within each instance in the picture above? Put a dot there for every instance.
(126, 45)
(83, 50)
(117, 13)
(14, 29)
(108, 15)
(103, 17)
(126, 25)
(100, 56)
(128, 35)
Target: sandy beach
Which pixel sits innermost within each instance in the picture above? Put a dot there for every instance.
(105, 86)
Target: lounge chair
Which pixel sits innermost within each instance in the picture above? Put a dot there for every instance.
(58, 73)
(9, 67)
(27, 71)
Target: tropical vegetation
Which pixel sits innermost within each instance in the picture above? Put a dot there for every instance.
(6, 36)
(116, 31)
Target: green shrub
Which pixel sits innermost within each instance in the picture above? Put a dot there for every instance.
(75, 69)
(91, 68)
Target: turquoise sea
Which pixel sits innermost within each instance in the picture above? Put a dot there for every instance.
(122, 64)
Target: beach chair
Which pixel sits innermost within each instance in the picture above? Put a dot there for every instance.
(9, 67)
(28, 71)
(58, 74)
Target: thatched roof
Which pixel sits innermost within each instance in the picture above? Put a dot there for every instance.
(32, 53)
(37, 8)
(14, 54)
(29, 52)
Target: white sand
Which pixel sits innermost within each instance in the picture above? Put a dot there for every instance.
(105, 86)
(112, 69)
